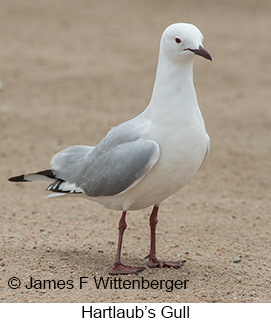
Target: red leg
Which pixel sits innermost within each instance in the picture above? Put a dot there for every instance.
(153, 261)
(118, 267)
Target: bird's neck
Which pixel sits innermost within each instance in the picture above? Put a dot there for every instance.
(173, 88)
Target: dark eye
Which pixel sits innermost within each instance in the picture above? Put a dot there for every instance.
(177, 40)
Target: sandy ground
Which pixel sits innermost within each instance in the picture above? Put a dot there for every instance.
(72, 69)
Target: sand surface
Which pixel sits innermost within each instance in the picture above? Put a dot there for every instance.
(72, 69)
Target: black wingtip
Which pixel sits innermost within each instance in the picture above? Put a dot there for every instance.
(48, 173)
(17, 179)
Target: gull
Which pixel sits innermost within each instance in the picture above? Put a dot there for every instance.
(143, 161)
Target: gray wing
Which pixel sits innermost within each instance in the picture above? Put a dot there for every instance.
(115, 164)
(112, 171)
(67, 164)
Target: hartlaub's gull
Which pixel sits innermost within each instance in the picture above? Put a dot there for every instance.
(143, 161)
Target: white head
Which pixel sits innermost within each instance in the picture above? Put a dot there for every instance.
(182, 41)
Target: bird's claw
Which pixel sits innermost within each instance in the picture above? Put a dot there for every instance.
(156, 263)
(120, 269)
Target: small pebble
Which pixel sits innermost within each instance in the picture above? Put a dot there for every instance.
(236, 260)
(239, 279)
